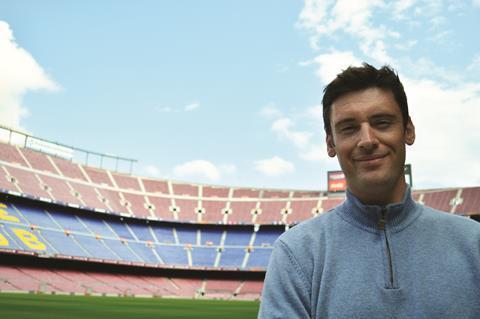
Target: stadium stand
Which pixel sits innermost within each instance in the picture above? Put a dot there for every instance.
(271, 211)
(126, 182)
(212, 191)
(211, 236)
(241, 212)
(186, 209)
(38, 161)
(26, 182)
(301, 210)
(68, 169)
(221, 289)
(161, 207)
(155, 186)
(469, 201)
(440, 200)
(11, 154)
(104, 232)
(98, 176)
(185, 190)
(213, 211)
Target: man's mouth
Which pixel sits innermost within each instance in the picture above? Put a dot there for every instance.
(373, 159)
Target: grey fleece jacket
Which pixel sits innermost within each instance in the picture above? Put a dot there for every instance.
(403, 260)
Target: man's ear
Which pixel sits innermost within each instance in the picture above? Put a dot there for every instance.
(330, 146)
(409, 132)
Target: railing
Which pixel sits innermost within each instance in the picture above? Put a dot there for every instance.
(75, 154)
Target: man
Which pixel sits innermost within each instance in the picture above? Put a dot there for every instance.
(379, 254)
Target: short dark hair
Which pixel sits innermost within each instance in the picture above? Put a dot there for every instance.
(359, 78)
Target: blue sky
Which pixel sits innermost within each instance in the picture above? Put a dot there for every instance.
(229, 93)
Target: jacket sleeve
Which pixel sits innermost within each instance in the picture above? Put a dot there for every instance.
(286, 291)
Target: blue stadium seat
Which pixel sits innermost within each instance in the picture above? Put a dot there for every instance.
(68, 221)
(64, 244)
(96, 248)
(172, 254)
(98, 227)
(120, 229)
(10, 230)
(142, 231)
(164, 234)
(212, 236)
(11, 241)
(36, 216)
(232, 257)
(266, 236)
(122, 250)
(204, 256)
(259, 258)
(238, 237)
(144, 252)
(186, 234)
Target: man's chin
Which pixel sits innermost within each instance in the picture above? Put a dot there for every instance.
(373, 184)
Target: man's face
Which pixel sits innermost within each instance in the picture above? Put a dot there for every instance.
(369, 138)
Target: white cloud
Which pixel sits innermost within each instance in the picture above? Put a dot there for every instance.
(475, 64)
(19, 73)
(152, 170)
(447, 147)
(198, 168)
(228, 169)
(316, 112)
(476, 3)
(400, 7)
(191, 106)
(284, 128)
(309, 145)
(330, 64)
(274, 166)
(203, 170)
(315, 152)
(324, 18)
(426, 69)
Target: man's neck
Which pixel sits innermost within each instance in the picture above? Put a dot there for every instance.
(381, 197)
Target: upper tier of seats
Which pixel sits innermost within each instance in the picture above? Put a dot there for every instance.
(34, 174)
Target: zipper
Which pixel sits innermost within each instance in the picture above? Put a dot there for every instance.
(381, 226)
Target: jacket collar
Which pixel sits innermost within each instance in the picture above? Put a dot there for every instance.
(397, 216)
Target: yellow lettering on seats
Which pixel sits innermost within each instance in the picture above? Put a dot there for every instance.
(4, 215)
(3, 241)
(29, 239)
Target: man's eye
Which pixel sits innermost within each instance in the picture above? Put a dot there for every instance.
(347, 129)
(383, 124)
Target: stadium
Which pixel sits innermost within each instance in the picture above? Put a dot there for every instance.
(71, 228)
(214, 111)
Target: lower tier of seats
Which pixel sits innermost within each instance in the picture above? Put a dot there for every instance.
(15, 278)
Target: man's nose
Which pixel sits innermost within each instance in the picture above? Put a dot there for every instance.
(367, 139)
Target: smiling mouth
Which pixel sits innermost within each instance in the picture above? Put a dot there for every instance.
(370, 160)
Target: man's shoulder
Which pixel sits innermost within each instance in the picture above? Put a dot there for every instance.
(310, 231)
(451, 221)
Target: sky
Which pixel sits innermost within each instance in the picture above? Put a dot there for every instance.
(229, 92)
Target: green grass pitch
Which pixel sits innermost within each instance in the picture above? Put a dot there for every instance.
(32, 306)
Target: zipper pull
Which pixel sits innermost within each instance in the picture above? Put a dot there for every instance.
(381, 222)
